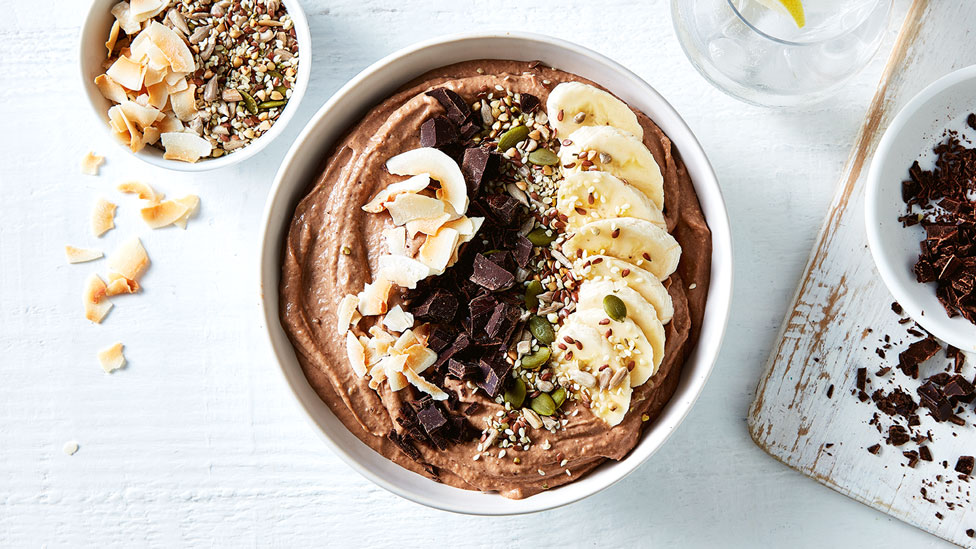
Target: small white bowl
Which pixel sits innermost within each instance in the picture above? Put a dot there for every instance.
(303, 163)
(91, 55)
(911, 136)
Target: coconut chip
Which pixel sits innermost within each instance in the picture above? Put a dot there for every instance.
(398, 320)
(191, 201)
(357, 354)
(111, 358)
(345, 312)
(97, 304)
(372, 300)
(103, 217)
(113, 37)
(110, 89)
(118, 284)
(185, 146)
(163, 214)
(129, 259)
(424, 385)
(90, 163)
(81, 255)
(142, 190)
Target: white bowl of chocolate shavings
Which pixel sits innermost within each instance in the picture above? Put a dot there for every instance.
(302, 166)
(194, 86)
(919, 217)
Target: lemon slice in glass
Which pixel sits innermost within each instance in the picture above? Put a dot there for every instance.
(793, 8)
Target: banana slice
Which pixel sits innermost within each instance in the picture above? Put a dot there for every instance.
(637, 241)
(609, 392)
(639, 313)
(588, 196)
(586, 105)
(604, 267)
(617, 152)
(437, 165)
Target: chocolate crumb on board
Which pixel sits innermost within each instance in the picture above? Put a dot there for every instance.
(971, 533)
(965, 465)
(830, 391)
(874, 449)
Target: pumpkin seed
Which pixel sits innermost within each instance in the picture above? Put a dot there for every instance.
(249, 103)
(272, 104)
(543, 405)
(537, 359)
(559, 396)
(615, 307)
(532, 292)
(539, 237)
(543, 157)
(542, 330)
(512, 137)
(515, 394)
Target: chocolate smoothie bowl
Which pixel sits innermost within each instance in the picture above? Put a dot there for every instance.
(495, 279)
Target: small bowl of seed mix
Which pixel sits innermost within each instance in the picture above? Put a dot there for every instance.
(195, 85)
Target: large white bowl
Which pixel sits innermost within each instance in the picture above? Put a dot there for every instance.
(91, 55)
(912, 134)
(370, 87)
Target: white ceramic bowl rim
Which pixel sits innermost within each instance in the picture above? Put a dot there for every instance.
(878, 216)
(697, 368)
(101, 10)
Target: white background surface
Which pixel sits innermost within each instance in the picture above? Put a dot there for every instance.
(198, 440)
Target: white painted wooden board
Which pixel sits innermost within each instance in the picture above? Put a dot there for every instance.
(198, 442)
(842, 311)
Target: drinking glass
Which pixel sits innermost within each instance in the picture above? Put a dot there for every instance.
(757, 53)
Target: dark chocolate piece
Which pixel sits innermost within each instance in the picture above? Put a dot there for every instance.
(958, 388)
(523, 251)
(462, 370)
(469, 129)
(476, 165)
(439, 307)
(457, 109)
(924, 453)
(932, 397)
(917, 353)
(438, 131)
(431, 418)
(964, 465)
(495, 370)
(489, 275)
(898, 435)
(504, 207)
(528, 102)
(440, 337)
(405, 445)
(874, 449)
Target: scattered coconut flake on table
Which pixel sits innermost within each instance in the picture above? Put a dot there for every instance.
(142, 190)
(81, 255)
(111, 358)
(90, 163)
(163, 214)
(70, 448)
(192, 202)
(129, 259)
(97, 304)
(103, 217)
(118, 284)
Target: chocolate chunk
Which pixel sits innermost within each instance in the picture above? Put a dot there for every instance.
(440, 337)
(470, 129)
(896, 307)
(404, 445)
(912, 456)
(924, 453)
(460, 344)
(874, 449)
(932, 397)
(964, 465)
(528, 102)
(462, 370)
(489, 275)
(439, 307)
(862, 374)
(958, 388)
(918, 352)
(457, 109)
(495, 371)
(523, 250)
(830, 392)
(971, 122)
(897, 435)
(504, 207)
(438, 131)
(476, 165)
(971, 533)
(431, 418)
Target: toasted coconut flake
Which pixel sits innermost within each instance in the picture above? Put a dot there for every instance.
(127, 73)
(406, 340)
(113, 37)
(347, 308)
(144, 116)
(419, 358)
(396, 240)
(111, 358)
(154, 77)
(398, 320)
(415, 184)
(192, 202)
(185, 146)
(424, 385)
(103, 217)
(111, 90)
(372, 300)
(173, 47)
(393, 366)
(97, 304)
(129, 259)
(410, 206)
(403, 271)
(90, 163)
(141, 9)
(117, 120)
(183, 102)
(124, 16)
(140, 189)
(158, 95)
(356, 352)
(81, 255)
(438, 249)
(118, 284)
(169, 124)
(150, 136)
(162, 214)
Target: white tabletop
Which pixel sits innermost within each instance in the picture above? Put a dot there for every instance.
(199, 441)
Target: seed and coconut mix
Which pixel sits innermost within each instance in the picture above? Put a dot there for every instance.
(532, 176)
(246, 55)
